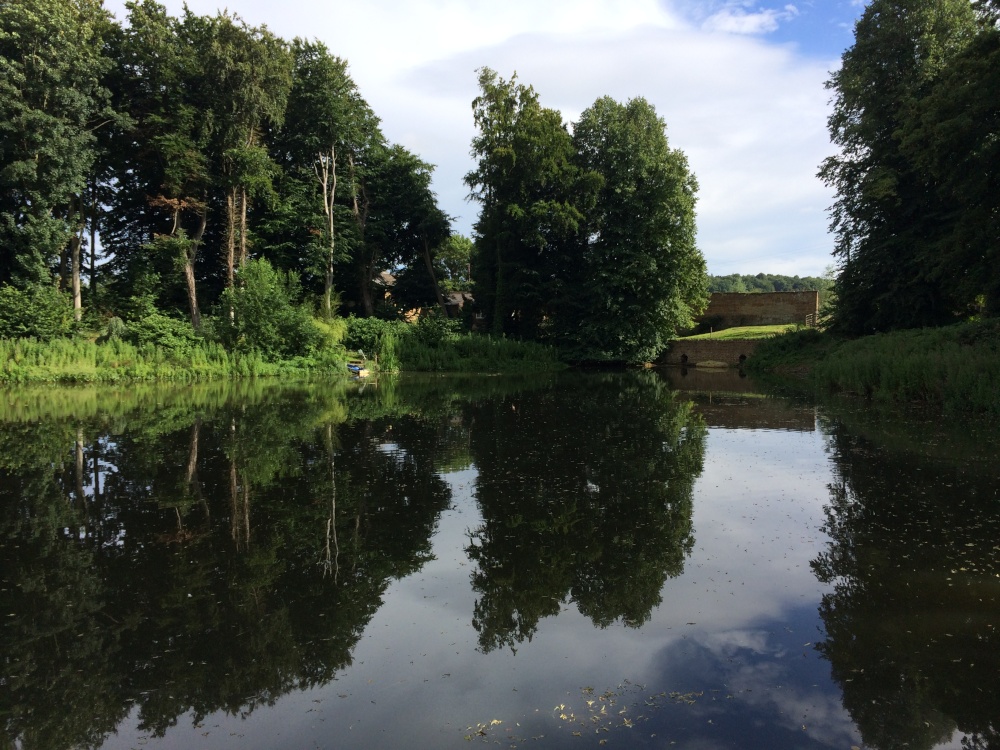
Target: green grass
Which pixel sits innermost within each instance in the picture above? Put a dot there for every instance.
(955, 367)
(116, 361)
(743, 333)
(473, 353)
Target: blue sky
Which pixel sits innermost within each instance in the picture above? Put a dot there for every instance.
(739, 84)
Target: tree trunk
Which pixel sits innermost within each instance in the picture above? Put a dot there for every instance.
(360, 210)
(430, 269)
(326, 172)
(243, 227)
(74, 250)
(93, 248)
(231, 237)
(190, 256)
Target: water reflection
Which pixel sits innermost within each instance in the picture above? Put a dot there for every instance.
(190, 552)
(586, 496)
(912, 620)
(174, 559)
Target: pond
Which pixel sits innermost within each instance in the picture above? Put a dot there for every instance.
(638, 559)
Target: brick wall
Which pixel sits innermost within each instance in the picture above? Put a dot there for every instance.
(691, 352)
(730, 309)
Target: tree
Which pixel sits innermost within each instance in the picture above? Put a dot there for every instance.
(51, 102)
(533, 200)
(643, 277)
(159, 161)
(397, 216)
(887, 212)
(327, 122)
(249, 78)
(953, 135)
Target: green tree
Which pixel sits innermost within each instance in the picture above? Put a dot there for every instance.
(397, 215)
(887, 213)
(533, 200)
(327, 123)
(249, 79)
(953, 135)
(159, 161)
(643, 277)
(51, 102)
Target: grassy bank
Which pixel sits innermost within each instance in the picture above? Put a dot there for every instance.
(955, 367)
(116, 361)
(436, 345)
(390, 347)
(743, 333)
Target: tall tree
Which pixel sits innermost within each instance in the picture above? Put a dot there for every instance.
(327, 123)
(887, 210)
(250, 75)
(953, 135)
(643, 276)
(159, 162)
(402, 220)
(51, 101)
(533, 199)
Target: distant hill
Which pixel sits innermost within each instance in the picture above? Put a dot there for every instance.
(768, 282)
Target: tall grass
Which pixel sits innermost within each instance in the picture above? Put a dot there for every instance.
(117, 361)
(477, 353)
(435, 345)
(956, 367)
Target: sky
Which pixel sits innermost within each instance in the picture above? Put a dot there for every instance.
(739, 83)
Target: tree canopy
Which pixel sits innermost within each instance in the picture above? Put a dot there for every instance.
(587, 240)
(915, 118)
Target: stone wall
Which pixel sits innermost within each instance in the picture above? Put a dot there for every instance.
(692, 351)
(731, 309)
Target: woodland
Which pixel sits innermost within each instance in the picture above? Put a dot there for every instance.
(197, 179)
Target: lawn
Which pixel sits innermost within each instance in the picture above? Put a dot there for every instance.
(742, 333)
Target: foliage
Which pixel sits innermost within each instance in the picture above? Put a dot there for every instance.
(584, 240)
(533, 198)
(40, 311)
(767, 282)
(956, 367)
(157, 329)
(51, 101)
(890, 217)
(263, 315)
(643, 277)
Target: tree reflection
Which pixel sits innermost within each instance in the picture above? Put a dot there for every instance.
(171, 554)
(913, 614)
(585, 491)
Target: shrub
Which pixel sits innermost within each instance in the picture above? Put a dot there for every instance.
(259, 314)
(157, 329)
(42, 312)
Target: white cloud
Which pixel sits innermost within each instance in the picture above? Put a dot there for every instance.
(734, 19)
(749, 114)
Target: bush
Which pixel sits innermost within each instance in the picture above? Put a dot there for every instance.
(41, 312)
(157, 329)
(367, 334)
(259, 314)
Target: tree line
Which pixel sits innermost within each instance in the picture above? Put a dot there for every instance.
(180, 148)
(767, 282)
(917, 211)
(148, 166)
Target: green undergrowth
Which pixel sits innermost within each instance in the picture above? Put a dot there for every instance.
(435, 345)
(116, 361)
(954, 367)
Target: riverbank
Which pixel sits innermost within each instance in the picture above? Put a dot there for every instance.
(115, 361)
(955, 367)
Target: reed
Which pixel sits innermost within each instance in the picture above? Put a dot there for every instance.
(956, 367)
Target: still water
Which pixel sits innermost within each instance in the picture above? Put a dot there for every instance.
(588, 560)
